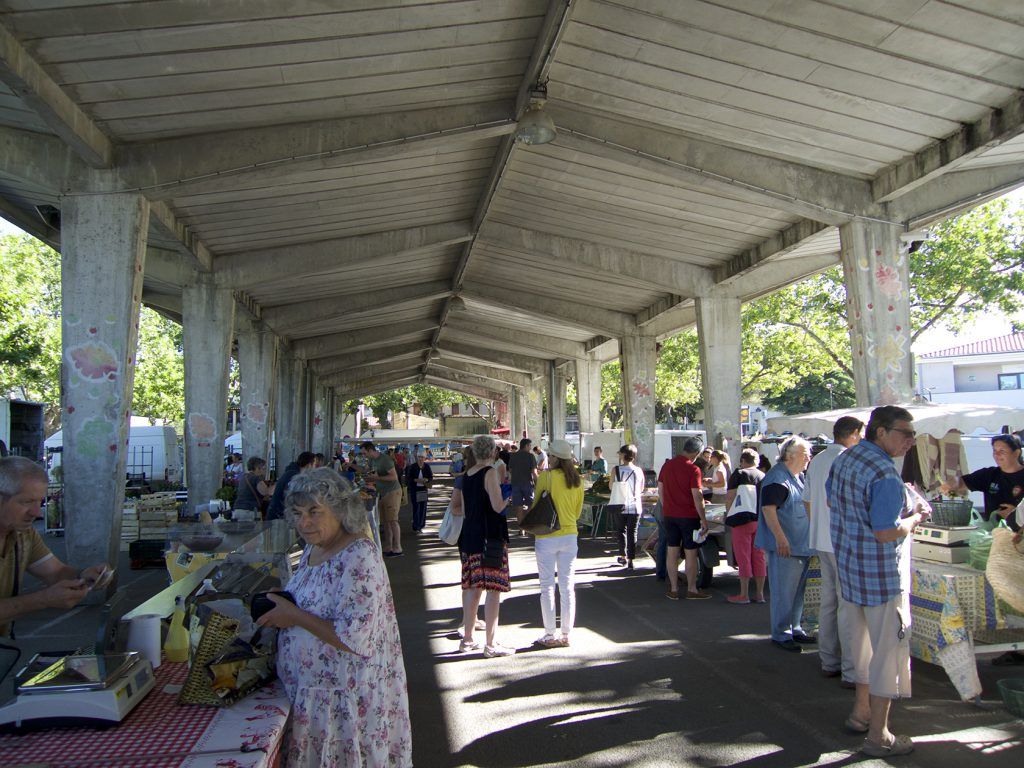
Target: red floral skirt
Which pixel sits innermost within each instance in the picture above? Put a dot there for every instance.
(475, 576)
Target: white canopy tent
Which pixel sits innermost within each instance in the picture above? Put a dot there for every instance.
(935, 419)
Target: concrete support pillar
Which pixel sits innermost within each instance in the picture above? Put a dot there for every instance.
(257, 373)
(556, 403)
(877, 275)
(518, 413)
(320, 423)
(208, 317)
(588, 393)
(103, 248)
(639, 358)
(284, 428)
(535, 411)
(718, 333)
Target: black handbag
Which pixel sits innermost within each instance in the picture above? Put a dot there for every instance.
(494, 554)
(542, 517)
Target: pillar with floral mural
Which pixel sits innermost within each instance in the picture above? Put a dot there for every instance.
(638, 352)
(103, 248)
(257, 375)
(208, 316)
(876, 271)
(719, 336)
(535, 411)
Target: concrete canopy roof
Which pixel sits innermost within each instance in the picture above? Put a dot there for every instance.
(348, 167)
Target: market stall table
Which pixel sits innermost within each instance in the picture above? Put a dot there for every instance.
(160, 733)
(951, 607)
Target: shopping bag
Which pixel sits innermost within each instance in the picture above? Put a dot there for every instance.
(451, 527)
(744, 506)
(542, 518)
(1005, 568)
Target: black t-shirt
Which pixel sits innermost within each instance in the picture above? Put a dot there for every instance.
(774, 495)
(999, 488)
(747, 476)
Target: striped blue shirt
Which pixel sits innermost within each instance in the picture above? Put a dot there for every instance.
(866, 495)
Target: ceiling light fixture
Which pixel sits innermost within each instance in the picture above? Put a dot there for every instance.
(536, 126)
(458, 304)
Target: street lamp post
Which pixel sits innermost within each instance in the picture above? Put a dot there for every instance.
(828, 386)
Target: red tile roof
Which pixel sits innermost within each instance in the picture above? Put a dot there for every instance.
(1011, 342)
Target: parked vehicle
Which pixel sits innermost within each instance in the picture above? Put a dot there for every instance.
(152, 451)
(21, 428)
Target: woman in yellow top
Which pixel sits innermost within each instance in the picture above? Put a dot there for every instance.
(556, 552)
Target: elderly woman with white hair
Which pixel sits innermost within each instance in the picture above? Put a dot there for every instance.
(785, 537)
(483, 547)
(339, 651)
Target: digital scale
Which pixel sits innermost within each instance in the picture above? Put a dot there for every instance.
(942, 543)
(88, 689)
(944, 535)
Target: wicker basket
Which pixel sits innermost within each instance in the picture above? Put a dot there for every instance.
(951, 512)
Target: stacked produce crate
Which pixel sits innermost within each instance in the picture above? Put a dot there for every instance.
(157, 512)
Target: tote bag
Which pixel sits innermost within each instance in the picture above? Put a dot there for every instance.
(451, 527)
(744, 506)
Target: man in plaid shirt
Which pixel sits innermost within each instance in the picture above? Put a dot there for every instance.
(870, 525)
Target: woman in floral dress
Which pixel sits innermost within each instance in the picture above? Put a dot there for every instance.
(339, 652)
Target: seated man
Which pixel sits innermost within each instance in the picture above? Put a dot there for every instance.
(22, 492)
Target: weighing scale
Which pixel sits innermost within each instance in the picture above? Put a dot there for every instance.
(943, 535)
(88, 689)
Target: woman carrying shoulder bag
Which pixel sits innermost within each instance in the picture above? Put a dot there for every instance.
(629, 502)
(556, 552)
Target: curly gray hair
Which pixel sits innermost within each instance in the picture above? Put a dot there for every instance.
(483, 447)
(326, 487)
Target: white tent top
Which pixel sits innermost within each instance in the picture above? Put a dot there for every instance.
(935, 419)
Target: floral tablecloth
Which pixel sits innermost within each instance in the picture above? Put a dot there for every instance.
(950, 607)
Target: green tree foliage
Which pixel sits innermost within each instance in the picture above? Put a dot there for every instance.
(159, 391)
(431, 400)
(30, 323)
(811, 393)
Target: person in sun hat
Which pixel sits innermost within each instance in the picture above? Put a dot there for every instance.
(556, 552)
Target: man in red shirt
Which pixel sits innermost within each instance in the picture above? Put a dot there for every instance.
(682, 509)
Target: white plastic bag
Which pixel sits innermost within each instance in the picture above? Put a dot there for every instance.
(451, 527)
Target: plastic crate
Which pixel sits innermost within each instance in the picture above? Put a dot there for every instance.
(1012, 691)
(951, 512)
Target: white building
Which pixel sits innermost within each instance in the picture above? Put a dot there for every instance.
(989, 371)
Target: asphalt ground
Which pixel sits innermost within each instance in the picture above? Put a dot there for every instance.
(647, 681)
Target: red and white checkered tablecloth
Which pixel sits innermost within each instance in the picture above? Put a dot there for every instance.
(160, 733)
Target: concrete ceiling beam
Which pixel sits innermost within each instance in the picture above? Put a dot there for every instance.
(340, 363)
(998, 126)
(558, 311)
(167, 304)
(292, 317)
(802, 190)
(440, 379)
(169, 268)
(656, 271)
(532, 343)
(955, 193)
(216, 162)
(41, 160)
(495, 357)
(556, 20)
(483, 371)
(356, 341)
(162, 217)
(391, 368)
(253, 268)
(774, 246)
(357, 390)
(30, 222)
(40, 93)
(779, 274)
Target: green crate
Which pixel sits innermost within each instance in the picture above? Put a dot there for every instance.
(1012, 691)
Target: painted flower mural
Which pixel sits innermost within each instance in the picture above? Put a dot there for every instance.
(888, 281)
(201, 426)
(94, 361)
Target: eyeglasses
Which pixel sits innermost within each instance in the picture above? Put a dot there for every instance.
(909, 434)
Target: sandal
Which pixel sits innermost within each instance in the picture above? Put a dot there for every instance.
(853, 725)
(548, 641)
(900, 745)
(620, 560)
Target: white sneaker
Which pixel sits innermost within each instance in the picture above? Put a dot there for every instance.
(493, 651)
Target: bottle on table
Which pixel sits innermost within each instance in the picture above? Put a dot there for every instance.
(177, 641)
